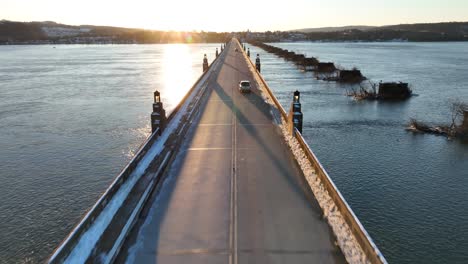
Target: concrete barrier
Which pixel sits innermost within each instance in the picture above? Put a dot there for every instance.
(360, 234)
(71, 240)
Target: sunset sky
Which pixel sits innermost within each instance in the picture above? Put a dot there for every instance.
(210, 15)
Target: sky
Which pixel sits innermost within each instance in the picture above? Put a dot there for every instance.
(239, 15)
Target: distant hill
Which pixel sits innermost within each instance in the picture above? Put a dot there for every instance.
(446, 27)
(422, 27)
(447, 31)
(332, 29)
(49, 32)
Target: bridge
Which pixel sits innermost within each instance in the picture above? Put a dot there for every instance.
(226, 178)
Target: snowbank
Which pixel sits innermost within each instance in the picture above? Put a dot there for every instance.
(344, 237)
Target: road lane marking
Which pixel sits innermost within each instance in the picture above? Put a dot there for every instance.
(231, 206)
(235, 191)
(235, 178)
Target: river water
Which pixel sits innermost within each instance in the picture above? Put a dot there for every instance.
(410, 191)
(72, 116)
(70, 119)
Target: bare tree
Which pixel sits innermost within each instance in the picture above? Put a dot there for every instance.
(458, 109)
(363, 92)
(374, 87)
(451, 131)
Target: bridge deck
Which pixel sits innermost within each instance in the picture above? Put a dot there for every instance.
(234, 193)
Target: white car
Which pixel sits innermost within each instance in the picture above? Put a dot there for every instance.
(244, 87)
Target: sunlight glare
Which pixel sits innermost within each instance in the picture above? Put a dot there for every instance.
(177, 72)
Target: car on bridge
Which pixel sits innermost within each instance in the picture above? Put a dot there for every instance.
(245, 87)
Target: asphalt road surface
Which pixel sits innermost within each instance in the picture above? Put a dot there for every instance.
(234, 193)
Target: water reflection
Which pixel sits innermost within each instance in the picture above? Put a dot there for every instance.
(90, 112)
(177, 73)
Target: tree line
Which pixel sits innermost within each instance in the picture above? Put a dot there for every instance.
(17, 32)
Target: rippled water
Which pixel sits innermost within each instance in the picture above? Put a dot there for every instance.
(71, 117)
(410, 191)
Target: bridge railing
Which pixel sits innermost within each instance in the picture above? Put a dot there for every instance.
(360, 234)
(67, 245)
(88, 219)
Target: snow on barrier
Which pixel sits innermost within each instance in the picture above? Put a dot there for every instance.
(79, 244)
(109, 200)
(354, 241)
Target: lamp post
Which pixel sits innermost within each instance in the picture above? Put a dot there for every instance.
(257, 63)
(157, 97)
(205, 63)
(158, 116)
(295, 116)
(297, 96)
